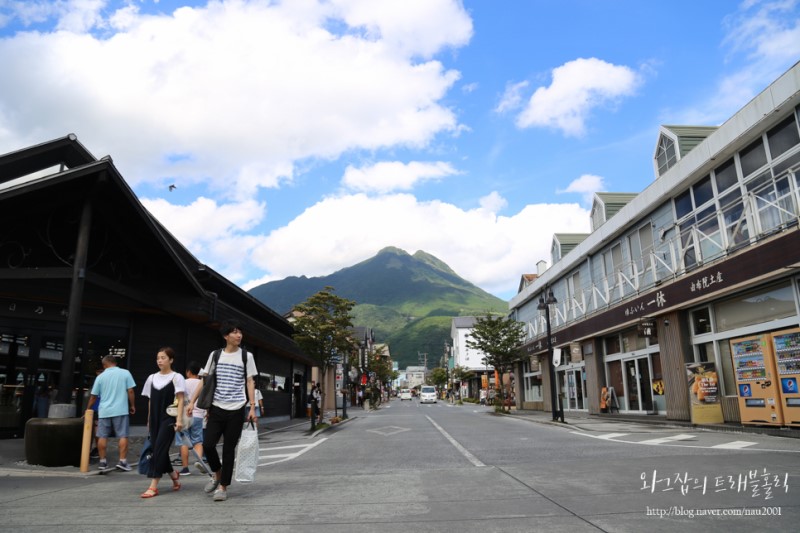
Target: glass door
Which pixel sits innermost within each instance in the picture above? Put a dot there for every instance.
(638, 386)
(632, 385)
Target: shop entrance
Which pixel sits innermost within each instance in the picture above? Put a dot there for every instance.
(573, 384)
(638, 391)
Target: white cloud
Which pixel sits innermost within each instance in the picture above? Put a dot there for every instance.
(388, 176)
(212, 231)
(512, 97)
(493, 202)
(585, 185)
(411, 27)
(242, 90)
(488, 250)
(578, 88)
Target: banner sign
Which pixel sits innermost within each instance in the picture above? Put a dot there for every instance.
(704, 394)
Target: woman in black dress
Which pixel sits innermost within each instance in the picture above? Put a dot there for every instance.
(162, 388)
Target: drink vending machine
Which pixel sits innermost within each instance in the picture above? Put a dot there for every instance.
(757, 381)
(786, 345)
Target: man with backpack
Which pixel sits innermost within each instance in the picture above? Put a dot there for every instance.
(234, 400)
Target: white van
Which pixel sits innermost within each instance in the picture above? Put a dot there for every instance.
(427, 394)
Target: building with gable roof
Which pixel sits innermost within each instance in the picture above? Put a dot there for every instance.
(86, 270)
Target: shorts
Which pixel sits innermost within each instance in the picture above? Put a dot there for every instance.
(114, 426)
(194, 432)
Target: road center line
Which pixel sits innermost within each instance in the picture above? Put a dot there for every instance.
(471, 458)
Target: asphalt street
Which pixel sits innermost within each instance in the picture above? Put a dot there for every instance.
(411, 467)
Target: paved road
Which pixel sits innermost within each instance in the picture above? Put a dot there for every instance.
(411, 467)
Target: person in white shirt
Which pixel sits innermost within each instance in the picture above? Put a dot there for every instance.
(195, 431)
(235, 389)
(161, 389)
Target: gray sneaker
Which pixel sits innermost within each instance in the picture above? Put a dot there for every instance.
(124, 466)
(211, 486)
(220, 495)
(102, 465)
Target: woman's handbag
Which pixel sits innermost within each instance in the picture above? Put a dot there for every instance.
(172, 410)
(247, 455)
(145, 457)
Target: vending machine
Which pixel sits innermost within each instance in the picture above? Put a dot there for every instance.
(757, 381)
(786, 346)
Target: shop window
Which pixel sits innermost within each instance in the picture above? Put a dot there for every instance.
(783, 137)
(611, 344)
(753, 157)
(705, 352)
(631, 340)
(728, 383)
(615, 380)
(755, 308)
(701, 321)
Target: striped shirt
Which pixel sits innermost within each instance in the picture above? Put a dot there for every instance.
(230, 392)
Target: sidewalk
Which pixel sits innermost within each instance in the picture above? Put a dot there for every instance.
(12, 451)
(573, 418)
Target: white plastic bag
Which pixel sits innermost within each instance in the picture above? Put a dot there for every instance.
(247, 455)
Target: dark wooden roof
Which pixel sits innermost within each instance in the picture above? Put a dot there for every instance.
(135, 264)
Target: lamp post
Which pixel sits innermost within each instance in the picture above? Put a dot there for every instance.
(545, 306)
(345, 372)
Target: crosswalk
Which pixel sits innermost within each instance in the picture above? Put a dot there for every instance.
(680, 439)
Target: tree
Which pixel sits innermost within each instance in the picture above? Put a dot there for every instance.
(323, 328)
(438, 377)
(379, 365)
(499, 338)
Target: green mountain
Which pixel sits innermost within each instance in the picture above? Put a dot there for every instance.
(407, 300)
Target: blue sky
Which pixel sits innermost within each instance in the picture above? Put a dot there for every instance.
(304, 136)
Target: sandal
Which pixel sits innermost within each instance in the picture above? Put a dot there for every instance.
(150, 493)
(176, 485)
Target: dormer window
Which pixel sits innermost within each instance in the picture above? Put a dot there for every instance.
(666, 155)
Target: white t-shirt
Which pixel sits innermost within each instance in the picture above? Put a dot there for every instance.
(191, 387)
(159, 381)
(230, 393)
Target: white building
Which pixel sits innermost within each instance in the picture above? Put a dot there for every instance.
(680, 276)
(415, 376)
(469, 358)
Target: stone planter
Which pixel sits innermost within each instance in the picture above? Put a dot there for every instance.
(53, 441)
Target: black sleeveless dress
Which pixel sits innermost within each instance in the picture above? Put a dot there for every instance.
(162, 429)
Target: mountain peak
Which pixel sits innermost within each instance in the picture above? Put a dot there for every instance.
(392, 250)
(407, 300)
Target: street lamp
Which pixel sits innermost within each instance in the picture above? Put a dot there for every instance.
(545, 306)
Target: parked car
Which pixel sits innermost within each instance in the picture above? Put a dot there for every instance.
(405, 394)
(427, 394)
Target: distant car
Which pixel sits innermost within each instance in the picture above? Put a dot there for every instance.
(427, 394)
(405, 394)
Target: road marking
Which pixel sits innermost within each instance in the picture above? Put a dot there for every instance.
(471, 458)
(671, 438)
(281, 457)
(388, 430)
(720, 447)
(735, 445)
(611, 436)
